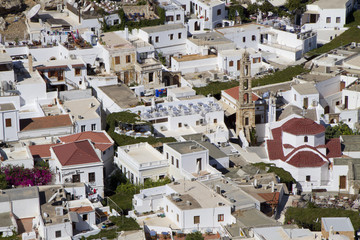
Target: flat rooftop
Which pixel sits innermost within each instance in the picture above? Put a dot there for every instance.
(82, 109)
(162, 28)
(328, 4)
(113, 41)
(4, 57)
(198, 193)
(7, 107)
(143, 153)
(186, 147)
(19, 194)
(355, 61)
(241, 28)
(209, 38)
(314, 77)
(5, 219)
(351, 143)
(193, 57)
(29, 124)
(121, 95)
(306, 88)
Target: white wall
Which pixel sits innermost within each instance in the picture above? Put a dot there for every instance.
(8, 134)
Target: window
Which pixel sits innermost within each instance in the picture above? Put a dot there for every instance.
(231, 63)
(308, 178)
(83, 127)
(93, 127)
(306, 139)
(171, 36)
(76, 178)
(246, 121)
(244, 39)
(157, 39)
(167, 208)
(177, 163)
(178, 17)
(309, 44)
(196, 219)
(328, 20)
(220, 217)
(150, 39)
(179, 125)
(8, 122)
(116, 21)
(58, 234)
(85, 217)
(151, 77)
(337, 19)
(179, 35)
(128, 58)
(167, 155)
(197, 123)
(294, 97)
(117, 60)
(253, 38)
(215, 120)
(219, 12)
(92, 177)
(77, 72)
(177, 217)
(172, 160)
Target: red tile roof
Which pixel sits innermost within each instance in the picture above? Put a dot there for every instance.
(234, 93)
(41, 151)
(274, 146)
(333, 148)
(302, 126)
(99, 139)
(306, 159)
(270, 198)
(29, 124)
(81, 209)
(288, 146)
(75, 153)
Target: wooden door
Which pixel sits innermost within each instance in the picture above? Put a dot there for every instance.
(342, 182)
(306, 103)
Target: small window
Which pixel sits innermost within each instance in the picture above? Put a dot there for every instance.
(92, 177)
(179, 35)
(77, 72)
(177, 217)
(93, 127)
(85, 217)
(197, 123)
(328, 20)
(150, 39)
(58, 234)
(116, 21)
(309, 44)
(179, 125)
(294, 97)
(167, 208)
(306, 139)
(231, 63)
(177, 163)
(253, 38)
(83, 128)
(128, 58)
(338, 19)
(196, 219)
(8, 122)
(117, 60)
(76, 178)
(171, 36)
(151, 77)
(244, 39)
(157, 39)
(172, 160)
(178, 17)
(308, 178)
(215, 120)
(219, 12)
(220, 217)
(167, 155)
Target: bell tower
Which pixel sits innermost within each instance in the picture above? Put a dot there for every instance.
(245, 112)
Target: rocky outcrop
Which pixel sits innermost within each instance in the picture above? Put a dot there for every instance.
(50, 4)
(2, 24)
(11, 6)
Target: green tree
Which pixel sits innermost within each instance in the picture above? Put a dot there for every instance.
(336, 131)
(194, 236)
(252, 8)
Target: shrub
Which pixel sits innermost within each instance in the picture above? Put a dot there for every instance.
(20, 176)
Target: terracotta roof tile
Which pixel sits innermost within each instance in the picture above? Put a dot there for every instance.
(41, 151)
(302, 126)
(29, 124)
(274, 146)
(270, 198)
(234, 93)
(75, 153)
(306, 159)
(333, 148)
(99, 139)
(81, 209)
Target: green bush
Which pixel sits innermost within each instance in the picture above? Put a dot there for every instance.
(311, 217)
(194, 236)
(285, 176)
(336, 131)
(125, 224)
(104, 233)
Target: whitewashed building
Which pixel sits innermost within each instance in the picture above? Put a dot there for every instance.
(188, 205)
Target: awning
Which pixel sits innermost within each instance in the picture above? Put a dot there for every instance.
(78, 65)
(51, 67)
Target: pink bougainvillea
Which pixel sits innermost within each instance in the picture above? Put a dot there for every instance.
(20, 176)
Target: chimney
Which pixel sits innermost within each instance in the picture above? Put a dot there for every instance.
(126, 33)
(30, 60)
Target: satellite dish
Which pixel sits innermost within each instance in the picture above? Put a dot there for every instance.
(33, 11)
